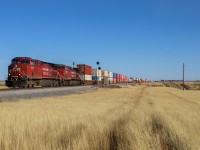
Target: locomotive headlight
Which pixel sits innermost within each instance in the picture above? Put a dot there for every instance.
(19, 74)
(15, 66)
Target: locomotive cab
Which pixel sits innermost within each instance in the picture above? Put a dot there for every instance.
(18, 71)
(18, 67)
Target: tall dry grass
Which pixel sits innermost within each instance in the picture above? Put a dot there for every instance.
(2, 85)
(137, 117)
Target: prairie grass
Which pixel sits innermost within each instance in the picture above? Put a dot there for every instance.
(2, 85)
(193, 85)
(136, 117)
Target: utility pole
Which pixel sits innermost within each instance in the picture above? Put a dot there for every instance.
(183, 76)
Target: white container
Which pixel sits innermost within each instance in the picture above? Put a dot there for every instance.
(86, 77)
(111, 80)
(104, 73)
(110, 74)
(96, 72)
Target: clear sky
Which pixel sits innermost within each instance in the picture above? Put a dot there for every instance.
(140, 38)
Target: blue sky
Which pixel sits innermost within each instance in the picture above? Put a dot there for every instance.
(141, 38)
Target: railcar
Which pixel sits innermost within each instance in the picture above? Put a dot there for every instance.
(69, 75)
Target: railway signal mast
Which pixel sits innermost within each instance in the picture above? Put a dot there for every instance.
(98, 69)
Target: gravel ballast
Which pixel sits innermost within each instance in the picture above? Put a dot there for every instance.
(12, 95)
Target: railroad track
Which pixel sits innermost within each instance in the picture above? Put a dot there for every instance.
(14, 89)
(39, 87)
(30, 93)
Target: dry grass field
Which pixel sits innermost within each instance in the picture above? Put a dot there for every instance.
(132, 117)
(2, 85)
(193, 85)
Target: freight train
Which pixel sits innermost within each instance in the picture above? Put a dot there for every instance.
(25, 72)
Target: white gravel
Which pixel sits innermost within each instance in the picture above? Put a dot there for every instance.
(12, 95)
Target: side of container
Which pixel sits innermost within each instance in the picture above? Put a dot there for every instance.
(85, 77)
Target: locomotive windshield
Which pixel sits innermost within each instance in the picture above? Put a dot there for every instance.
(15, 61)
(24, 61)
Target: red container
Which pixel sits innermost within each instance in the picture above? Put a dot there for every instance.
(126, 79)
(121, 79)
(117, 78)
(85, 69)
(114, 80)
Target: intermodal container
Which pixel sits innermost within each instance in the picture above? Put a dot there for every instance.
(111, 80)
(117, 78)
(85, 77)
(114, 75)
(96, 72)
(85, 69)
(120, 78)
(126, 79)
(96, 78)
(114, 80)
(104, 73)
(110, 74)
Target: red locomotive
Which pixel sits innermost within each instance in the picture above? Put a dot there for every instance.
(27, 72)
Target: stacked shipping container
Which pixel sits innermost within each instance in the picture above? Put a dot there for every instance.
(107, 77)
(104, 73)
(111, 77)
(96, 74)
(85, 72)
(117, 78)
(125, 79)
(114, 77)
